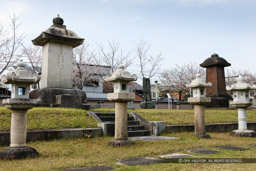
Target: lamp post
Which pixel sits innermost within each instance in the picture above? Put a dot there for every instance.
(121, 96)
(241, 101)
(19, 103)
(198, 99)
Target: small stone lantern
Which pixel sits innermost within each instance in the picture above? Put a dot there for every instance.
(19, 103)
(198, 99)
(241, 101)
(121, 96)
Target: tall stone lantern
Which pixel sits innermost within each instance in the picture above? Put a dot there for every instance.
(199, 100)
(241, 101)
(121, 96)
(19, 103)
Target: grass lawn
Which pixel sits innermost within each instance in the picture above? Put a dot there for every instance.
(50, 118)
(186, 116)
(57, 118)
(75, 153)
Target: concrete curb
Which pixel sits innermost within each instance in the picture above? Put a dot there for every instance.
(51, 134)
(214, 127)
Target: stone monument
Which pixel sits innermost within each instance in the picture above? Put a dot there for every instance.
(19, 103)
(121, 96)
(198, 99)
(147, 103)
(57, 67)
(241, 101)
(216, 75)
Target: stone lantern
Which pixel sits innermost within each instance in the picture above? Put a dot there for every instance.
(121, 96)
(241, 101)
(19, 103)
(198, 99)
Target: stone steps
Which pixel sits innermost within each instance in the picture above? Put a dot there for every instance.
(112, 118)
(134, 126)
(139, 133)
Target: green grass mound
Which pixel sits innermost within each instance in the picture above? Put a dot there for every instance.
(50, 118)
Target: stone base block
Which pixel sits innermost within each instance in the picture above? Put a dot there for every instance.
(86, 106)
(18, 153)
(120, 143)
(243, 133)
(108, 128)
(202, 136)
(218, 101)
(47, 97)
(147, 105)
(157, 127)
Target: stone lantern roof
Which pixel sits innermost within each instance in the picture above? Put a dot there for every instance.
(21, 76)
(241, 85)
(120, 75)
(215, 60)
(199, 83)
(58, 33)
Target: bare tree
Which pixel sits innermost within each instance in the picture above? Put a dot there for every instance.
(10, 43)
(114, 56)
(176, 78)
(232, 74)
(34, 56)
(149, 65)
(87, 68)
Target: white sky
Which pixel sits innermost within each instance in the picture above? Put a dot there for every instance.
(183, 31)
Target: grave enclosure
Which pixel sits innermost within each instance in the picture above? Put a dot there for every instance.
(57, 91)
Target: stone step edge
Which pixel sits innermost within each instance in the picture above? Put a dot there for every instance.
(51, 134)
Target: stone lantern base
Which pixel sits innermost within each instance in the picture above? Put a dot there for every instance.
(18, 153)
(243, 133)
(120, 143)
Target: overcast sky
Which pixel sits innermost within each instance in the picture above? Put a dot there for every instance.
(182, 30)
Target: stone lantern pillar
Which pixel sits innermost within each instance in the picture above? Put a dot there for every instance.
(19, 103)
(121, 96)
(198, 99)
(241, 101)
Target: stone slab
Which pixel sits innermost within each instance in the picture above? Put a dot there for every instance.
(94, 168)
(140, 161)
(176, 156)
(152, 138)
(230, 147)
(203, 151)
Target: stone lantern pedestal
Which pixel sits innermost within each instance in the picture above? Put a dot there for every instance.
(121, 96)
(19, 104)
(241, 101)
(199, 100)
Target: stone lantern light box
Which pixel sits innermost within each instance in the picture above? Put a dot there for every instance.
(199, 86)
(21, 80)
